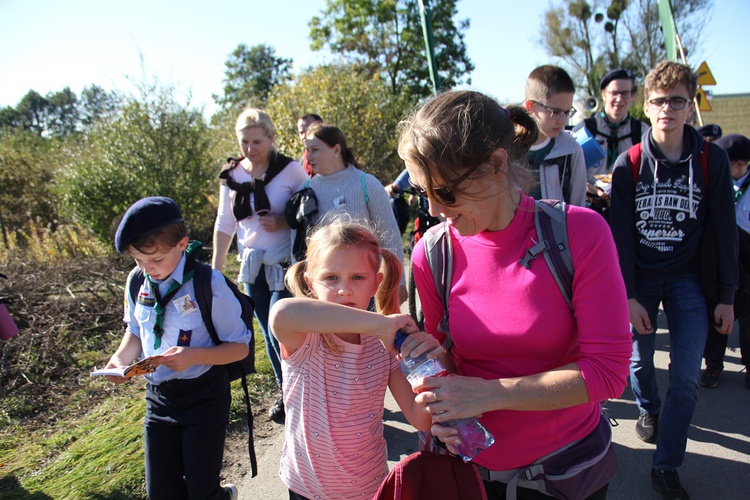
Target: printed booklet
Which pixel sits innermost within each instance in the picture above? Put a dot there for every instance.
(140, 368)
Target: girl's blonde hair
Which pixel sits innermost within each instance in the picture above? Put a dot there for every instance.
(254, 117)
(348, 234)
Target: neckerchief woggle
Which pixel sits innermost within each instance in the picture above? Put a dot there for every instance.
(160, 306)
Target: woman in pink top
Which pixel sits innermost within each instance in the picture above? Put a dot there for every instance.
(531, 368)
(337, 359)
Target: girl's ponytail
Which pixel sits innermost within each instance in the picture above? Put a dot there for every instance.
(386, 297)
(295, 280)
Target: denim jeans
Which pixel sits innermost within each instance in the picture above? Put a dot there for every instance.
(687, 319)
(264, 299)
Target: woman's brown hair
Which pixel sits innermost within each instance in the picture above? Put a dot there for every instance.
(332, 135)
(457, 131)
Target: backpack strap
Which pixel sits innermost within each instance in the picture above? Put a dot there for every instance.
(550, 218)
(590, 124)
(634, 160)
(364, 188)
(205, 298)
(438, 249)
(636, 130)
(703, 160)
(135, 282)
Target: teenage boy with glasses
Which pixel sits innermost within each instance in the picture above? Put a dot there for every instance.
(556, 159)
(667, 220)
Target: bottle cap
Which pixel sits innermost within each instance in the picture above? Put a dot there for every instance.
(399, 339)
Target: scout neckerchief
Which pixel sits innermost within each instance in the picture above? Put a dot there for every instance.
(191, 253)
(738, 194)
(613, 142)
(241, 207)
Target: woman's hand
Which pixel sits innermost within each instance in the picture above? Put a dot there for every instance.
(454, 396)
(447, 435)
(273, 223)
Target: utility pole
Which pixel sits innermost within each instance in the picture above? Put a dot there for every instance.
(426, 14)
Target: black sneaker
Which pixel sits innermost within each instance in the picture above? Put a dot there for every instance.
(710, 377)
(646, 427)
(276, 412)
(668, 484)
(747, 377)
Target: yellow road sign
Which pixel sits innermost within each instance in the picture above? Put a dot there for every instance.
(704, 75)
(703, 103)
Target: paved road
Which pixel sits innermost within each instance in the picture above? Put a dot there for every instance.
(717, 465)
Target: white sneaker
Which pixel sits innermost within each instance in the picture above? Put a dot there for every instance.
(230, 491)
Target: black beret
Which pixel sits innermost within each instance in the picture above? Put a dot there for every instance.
(616, 74)
(710, 130)
(737, 146)
(143, 218)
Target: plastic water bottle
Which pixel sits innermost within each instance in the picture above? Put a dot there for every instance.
(474, 436)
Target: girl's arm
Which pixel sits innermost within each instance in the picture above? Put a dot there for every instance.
(404, 396)
(291, 319)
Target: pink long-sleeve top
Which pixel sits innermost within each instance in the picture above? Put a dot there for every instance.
(509, 321)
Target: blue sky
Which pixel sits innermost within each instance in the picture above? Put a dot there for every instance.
(46, 45)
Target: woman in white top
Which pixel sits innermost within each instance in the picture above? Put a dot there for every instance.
(252, 196)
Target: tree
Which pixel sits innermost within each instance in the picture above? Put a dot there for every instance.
(33, 112)
(343, 94)
(62, 113)
(576, 32)
(96, 104)
(250, 75)
(155, 146)
(386, 37)
(27, 177)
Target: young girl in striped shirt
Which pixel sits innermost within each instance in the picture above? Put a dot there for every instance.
(337, 360)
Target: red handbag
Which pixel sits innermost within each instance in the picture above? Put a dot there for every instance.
(429, 475)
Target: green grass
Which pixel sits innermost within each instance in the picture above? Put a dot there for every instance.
(97, 454)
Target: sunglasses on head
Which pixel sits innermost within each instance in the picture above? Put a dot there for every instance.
(444, 194)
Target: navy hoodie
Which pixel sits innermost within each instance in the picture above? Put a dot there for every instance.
(657, 222)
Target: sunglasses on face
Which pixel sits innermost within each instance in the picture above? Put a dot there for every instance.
(557, 114)
(675, 103)
(444, 194)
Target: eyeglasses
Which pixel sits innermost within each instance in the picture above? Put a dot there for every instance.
(675, 103)
(445, 194)
(622, 94)
(557, 114)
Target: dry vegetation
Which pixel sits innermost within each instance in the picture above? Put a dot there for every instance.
(732, 114)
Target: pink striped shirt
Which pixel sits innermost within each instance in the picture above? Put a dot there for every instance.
(334, 445)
